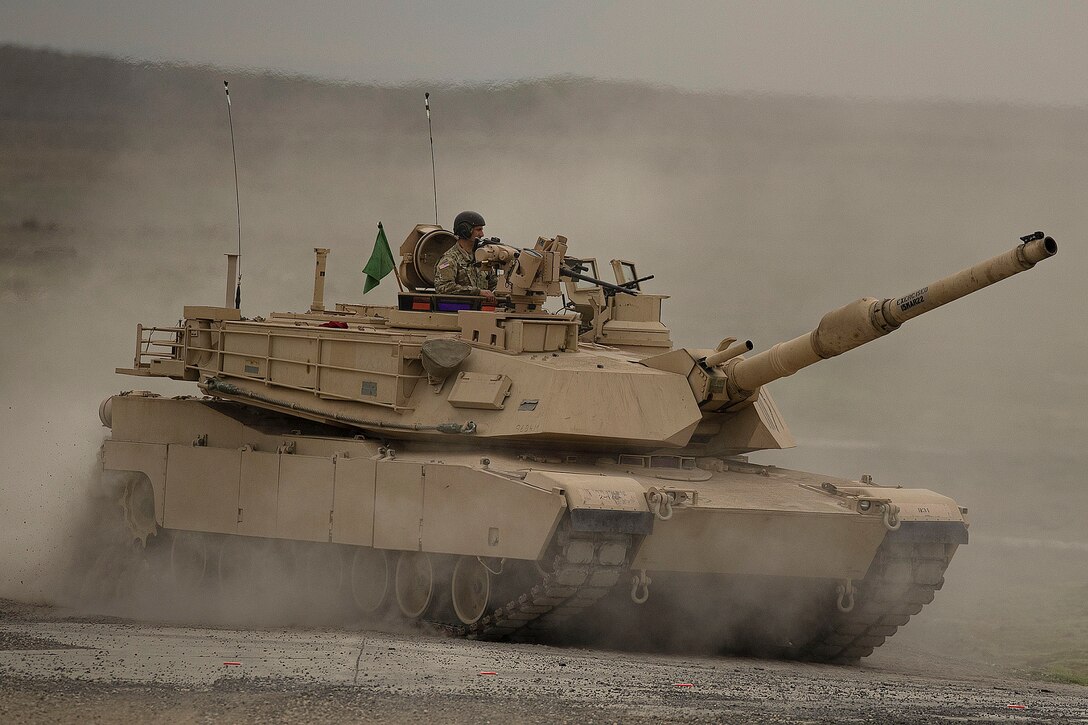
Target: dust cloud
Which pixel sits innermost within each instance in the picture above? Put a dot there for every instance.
(756, 213)
(252, 584)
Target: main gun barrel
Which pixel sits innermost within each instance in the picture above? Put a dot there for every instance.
(867, 319)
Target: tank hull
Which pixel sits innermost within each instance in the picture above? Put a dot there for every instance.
(556, 535)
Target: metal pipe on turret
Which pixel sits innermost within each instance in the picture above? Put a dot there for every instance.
(867, 319)
(728, 354)
(318, 305)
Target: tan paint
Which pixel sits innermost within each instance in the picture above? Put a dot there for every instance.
(590, 409)
(470, 511)
(763, 542)
(780, 523)
(202, 489)
(398, 505)
(599, 491)
(304, 505)
(353, 501)
(258, 495)
(915, 504)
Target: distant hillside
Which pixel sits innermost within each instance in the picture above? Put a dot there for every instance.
(93, 111)
(46, 86)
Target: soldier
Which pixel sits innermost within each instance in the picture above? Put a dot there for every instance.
(456, 272)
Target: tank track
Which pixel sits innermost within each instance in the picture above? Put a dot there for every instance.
(901, 580)
(585, 569)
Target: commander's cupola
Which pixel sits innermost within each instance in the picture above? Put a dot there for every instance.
(619, 314)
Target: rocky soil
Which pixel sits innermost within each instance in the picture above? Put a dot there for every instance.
(57, 667)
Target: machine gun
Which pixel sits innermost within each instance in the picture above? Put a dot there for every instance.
(608, 287)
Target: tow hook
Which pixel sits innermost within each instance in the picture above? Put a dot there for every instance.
(846, 595)
(640, 581)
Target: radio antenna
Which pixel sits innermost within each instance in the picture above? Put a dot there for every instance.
(237, 202)
(434, 177)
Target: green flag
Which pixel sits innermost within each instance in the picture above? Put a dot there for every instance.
(381, 261)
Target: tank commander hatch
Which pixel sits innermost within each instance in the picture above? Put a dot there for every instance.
(456, 272)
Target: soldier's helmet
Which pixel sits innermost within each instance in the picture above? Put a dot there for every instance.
(464, 223)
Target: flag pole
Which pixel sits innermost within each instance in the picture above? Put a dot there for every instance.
(395, 272)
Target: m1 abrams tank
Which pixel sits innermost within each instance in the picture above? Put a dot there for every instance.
(509, 472)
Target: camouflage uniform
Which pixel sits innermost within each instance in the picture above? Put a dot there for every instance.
(457, 274)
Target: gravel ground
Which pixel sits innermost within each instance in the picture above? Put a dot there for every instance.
(59, 668)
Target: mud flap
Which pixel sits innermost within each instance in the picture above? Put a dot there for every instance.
(612, 521)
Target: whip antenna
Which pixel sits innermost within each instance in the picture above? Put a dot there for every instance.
(434, 178)
(237, 202)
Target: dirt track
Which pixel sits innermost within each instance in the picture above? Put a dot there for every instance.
(58, 668)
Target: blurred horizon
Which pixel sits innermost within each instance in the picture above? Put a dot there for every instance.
(1000, 50)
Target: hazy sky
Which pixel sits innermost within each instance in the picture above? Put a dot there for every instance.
(1025, 52)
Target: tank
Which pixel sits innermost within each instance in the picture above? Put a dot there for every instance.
(506, 471)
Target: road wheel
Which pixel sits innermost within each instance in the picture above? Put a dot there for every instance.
(470, 587)
(237, 566)
(188, 559)
(414, 583)
(320, 568)
(369, 578)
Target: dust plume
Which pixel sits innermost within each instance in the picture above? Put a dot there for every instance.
(756, 213)
(185, 579)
